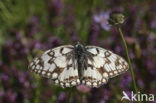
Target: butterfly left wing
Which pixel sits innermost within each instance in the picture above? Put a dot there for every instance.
(102, 65)
(57, 64)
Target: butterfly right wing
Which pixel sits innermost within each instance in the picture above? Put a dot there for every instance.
(102, 65)
(59, 65)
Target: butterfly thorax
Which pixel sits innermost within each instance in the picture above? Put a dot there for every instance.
(80, 54)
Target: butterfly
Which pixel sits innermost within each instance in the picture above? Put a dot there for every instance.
(72, 65)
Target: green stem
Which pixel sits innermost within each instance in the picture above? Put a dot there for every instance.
(129, 61)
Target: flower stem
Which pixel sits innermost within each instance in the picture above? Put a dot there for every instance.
(129, 61)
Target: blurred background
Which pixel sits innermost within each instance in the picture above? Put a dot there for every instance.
(28, 27)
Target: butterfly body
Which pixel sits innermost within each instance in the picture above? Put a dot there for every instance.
(71, 65)
(81, 56)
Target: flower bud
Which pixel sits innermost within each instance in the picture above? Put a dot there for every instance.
(116, 18)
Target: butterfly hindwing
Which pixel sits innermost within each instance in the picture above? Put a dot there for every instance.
(93, 78)
(57, 64)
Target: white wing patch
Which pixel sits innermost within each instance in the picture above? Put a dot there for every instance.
(104, 64)
(61, 62)
(57, 64)
(99, 63)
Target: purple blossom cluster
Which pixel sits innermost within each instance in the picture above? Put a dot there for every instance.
(61, 23)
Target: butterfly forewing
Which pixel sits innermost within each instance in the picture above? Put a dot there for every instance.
(103, 65)
(57, 64)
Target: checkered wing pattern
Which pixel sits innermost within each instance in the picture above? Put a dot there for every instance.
(102, 65)
(57, 64)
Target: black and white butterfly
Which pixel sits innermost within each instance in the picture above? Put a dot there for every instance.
(71, 65)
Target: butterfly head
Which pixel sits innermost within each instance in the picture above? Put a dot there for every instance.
(78, 45)
(79, 48)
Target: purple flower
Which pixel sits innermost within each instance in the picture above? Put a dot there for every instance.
(100, 95)
(53, 41)
(140, 83)
(131, 54)
(32, 27)
(54, 8)
(4, 77)
(125, 80)
(94, 31)
(83, 88)
(37, 44)
(153, 24)
(5, 80)
(47, 94)
(1, 93)
(7, 49)
(9, 97)
(118, 49)
(107, 95)
(62, 96)
(57, 7)
(102, 19)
